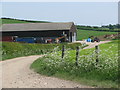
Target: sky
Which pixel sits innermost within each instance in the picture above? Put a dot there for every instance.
(81, 13)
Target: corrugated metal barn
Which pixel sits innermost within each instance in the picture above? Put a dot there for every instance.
(40, 32)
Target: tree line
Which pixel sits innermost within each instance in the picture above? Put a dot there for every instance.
(109, 27)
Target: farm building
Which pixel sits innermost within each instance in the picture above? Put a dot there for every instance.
(39, 32)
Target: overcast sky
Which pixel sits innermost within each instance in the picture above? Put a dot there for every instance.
(82, 13)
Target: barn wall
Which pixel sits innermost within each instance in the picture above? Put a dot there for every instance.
(52, 33)
(46, 34)
(73, 33)
(73, 29)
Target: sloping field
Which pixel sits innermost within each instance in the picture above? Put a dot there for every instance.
(84, 34)
(13, 21)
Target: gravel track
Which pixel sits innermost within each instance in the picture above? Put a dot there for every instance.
(17, 74)
(92, 44)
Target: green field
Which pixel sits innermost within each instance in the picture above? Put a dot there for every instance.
(103, 74)
(13, 49)
(84, 34)
(13, 21)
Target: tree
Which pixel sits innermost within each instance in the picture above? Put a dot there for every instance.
(118, 26)
(111, 27)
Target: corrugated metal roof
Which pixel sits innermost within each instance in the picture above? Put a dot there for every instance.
(37, 26)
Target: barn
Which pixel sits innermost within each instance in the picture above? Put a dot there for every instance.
(39, 32)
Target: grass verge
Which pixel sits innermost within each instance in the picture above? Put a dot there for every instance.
(103, 74)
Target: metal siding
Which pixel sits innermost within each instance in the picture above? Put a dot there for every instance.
(36, 26)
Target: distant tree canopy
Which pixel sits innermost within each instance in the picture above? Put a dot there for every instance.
(112, 26)
(109, 27)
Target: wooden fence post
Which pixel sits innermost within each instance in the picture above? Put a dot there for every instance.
(97, 52)
(77, 55)
(42, 51)
(63, 51)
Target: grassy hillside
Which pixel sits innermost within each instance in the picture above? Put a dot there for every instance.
(12, 21)
(84, 34)
(13, 49)
(104, 73)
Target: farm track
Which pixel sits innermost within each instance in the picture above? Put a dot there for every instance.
(16, 73)
(92, 45)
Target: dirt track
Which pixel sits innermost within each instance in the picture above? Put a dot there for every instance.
(91, 44)
(16, 74)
